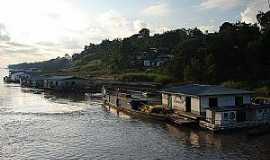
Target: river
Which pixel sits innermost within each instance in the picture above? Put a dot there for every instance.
(65, 126)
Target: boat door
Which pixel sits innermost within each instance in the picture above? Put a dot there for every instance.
(170, 103)
(188, 104)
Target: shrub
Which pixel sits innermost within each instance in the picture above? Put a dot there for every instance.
(265, 91)
(236, 84)
(145, 77)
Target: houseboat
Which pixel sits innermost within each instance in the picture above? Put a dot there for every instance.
(16, 76)
(7, 79)
(215, 107)
(64, 83)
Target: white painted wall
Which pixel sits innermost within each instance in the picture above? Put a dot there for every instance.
(17, 76)
(226, 100)
(195, 105)
(208, 115)
(147, 63)
(164, 99)
(179, 102)
(220, 118)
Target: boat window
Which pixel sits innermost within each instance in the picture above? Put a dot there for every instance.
(232, 115)
(226, 116)
(239, 100)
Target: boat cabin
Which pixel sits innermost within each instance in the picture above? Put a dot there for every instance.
(219, 107)
(197, 98)
(64, 83)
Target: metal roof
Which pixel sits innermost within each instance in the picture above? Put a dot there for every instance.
(37, 78)
(204, 90)
(61, 78)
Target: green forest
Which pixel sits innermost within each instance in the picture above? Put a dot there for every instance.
(237, 55)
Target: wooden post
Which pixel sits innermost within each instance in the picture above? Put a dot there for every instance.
(213, 117)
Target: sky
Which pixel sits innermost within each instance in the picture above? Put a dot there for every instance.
(36, 30)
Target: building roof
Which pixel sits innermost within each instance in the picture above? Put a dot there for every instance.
(38, 77)
(204, 90)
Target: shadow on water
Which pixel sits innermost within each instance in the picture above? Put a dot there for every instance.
(58, 96)
(72, 97)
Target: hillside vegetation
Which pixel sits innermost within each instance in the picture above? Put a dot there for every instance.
(237, 55)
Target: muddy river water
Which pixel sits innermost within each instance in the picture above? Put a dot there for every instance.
(65, 126)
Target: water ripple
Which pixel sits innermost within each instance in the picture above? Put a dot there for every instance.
(53, 126)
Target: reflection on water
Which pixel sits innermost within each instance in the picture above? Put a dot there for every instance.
(70, 126)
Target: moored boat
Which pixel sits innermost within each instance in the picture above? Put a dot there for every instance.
(137, 113)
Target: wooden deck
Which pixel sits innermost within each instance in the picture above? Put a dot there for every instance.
(179, 120)
(188, 115)
(139, 114)
(174, 119)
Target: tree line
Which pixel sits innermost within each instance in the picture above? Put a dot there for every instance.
(237, 52)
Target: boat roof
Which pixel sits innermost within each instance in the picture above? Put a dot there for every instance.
(204, 90)
(60, 78)
(36, 78)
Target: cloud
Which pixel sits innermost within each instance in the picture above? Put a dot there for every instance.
(111, 25)
(16, 44)
(139, 24)
(4, 36)
(159, 9)
(35, 30)
(252, 9)
(221, 4)
(209, 28)
(13, 52)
